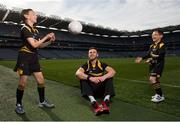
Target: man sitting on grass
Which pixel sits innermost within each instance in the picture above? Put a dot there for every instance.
(96, 79)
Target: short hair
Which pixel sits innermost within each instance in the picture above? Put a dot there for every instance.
(159, 31)
(24, 12)
(93, 48)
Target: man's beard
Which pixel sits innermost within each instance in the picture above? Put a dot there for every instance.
(93, 59)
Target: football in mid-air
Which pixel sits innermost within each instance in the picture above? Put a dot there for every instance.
(75, 27)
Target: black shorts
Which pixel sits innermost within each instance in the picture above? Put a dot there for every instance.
(27, 63)
(156, 69)
(97, 90)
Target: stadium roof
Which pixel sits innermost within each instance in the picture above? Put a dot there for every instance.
(58, 23)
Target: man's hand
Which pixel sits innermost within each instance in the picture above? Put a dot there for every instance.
(51, 36)
(94, 80)
(102, 78)
(138, 60)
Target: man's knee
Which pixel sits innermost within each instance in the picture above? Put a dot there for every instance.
(40, 81)
(84, 83)
(22, 82)
(109, 80)
(109, 83)
(152, 79)
(39, 77)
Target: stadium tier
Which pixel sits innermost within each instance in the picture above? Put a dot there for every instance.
(76, 46)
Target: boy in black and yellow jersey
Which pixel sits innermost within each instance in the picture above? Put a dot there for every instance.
(155, 58)
(27, 62)
(96, 80)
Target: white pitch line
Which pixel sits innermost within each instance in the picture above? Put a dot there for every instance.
(146, 82)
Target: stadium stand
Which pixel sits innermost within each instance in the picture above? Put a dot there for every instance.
(111, 42)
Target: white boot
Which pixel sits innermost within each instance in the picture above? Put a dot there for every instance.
(157, 98)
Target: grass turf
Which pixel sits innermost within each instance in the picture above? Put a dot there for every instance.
(127, 89)
(69, 105)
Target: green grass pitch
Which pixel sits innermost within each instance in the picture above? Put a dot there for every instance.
(132, 100)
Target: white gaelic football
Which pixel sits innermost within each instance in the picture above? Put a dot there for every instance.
(75, 27)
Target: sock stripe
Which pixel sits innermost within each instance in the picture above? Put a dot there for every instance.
(156, 85)
(21, 88)
(41, 85)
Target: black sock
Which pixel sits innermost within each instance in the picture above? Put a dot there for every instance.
(41, 91)
(158, 91)
(19, 96)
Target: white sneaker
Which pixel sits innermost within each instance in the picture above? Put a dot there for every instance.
(157, 98)
(46, 104)
(154, 96)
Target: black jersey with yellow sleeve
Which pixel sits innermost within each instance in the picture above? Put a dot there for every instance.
(94, 70)
(156, 52)
(28, 32)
